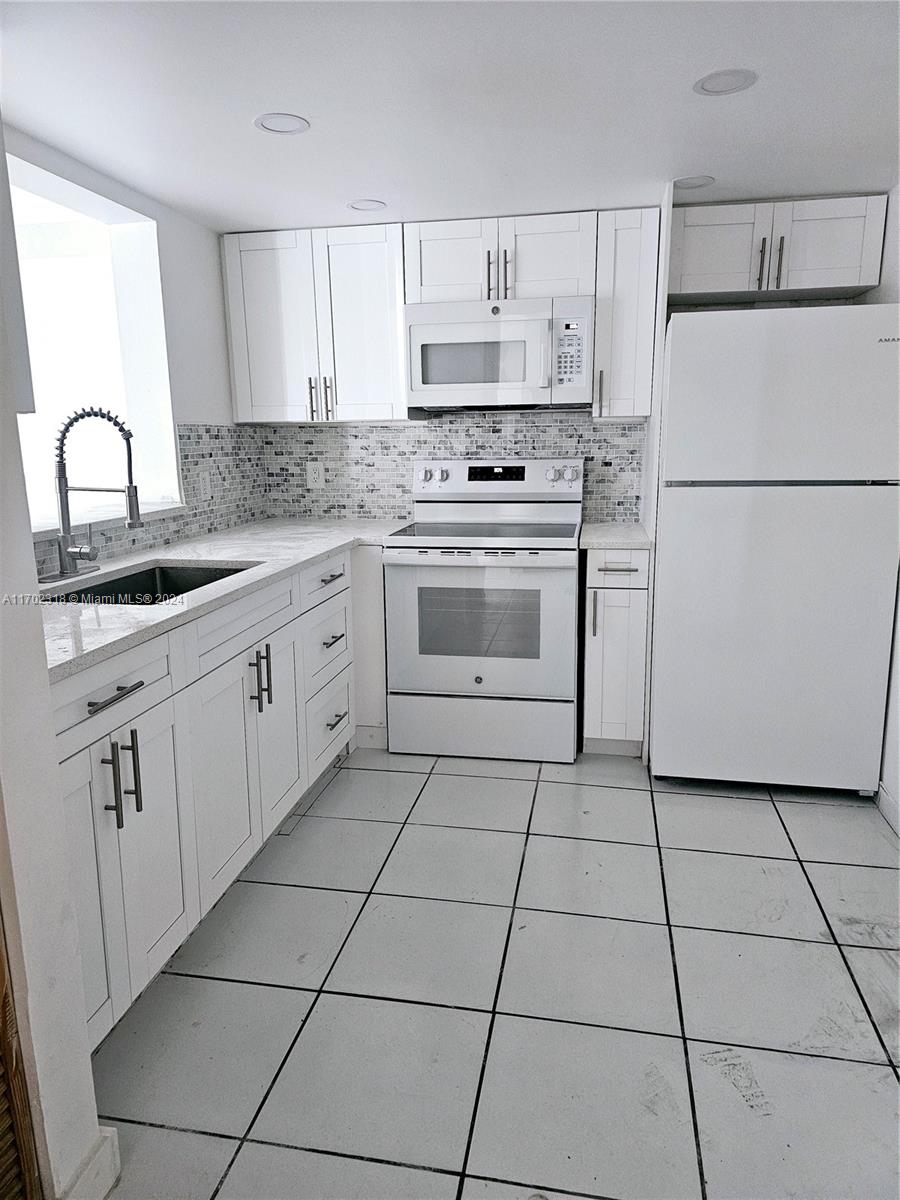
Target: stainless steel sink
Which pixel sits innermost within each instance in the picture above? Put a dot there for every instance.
(146, 585)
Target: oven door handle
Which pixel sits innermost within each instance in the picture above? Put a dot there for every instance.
(563, 560)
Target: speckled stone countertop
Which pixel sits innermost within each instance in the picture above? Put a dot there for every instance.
(611, 535)
(79, 635)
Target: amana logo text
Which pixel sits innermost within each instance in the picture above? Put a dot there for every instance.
(896, 339)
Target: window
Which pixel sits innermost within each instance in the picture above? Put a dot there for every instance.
(96, 339)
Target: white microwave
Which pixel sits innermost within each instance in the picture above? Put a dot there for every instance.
(501, 354)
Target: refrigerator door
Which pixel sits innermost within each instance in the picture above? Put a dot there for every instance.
(783, 394)
(772, 633)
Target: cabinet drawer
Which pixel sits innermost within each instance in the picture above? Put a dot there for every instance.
(88, 705)
(327, 641)
(329, 720)
(324, 580)
(220, 635)
(618, 568)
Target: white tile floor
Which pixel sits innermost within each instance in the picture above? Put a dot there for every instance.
(465, 980)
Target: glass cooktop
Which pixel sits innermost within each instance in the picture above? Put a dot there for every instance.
(496, 531)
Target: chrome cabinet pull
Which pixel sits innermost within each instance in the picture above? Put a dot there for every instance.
(267, 688)
(488, 274)
(256, 663)
(331, 578)
(599, 400)
(312, 398)
(334, 641)
(594, 617)
(115, 762)
(95, 706)
(134, 751)
(612, 568)
(505, 274)
(328, 389)
(762, 260)
(780, 257)
(329, 725)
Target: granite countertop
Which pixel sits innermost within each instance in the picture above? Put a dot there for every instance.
(79, 635)
(614, 535)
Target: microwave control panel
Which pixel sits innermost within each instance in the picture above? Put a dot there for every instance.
(571, 356)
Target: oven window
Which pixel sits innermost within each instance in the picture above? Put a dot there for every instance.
(473, 363)
(480, 622)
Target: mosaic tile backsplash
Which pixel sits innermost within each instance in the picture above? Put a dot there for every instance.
(259, 471)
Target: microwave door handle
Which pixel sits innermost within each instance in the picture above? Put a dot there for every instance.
(546, 356)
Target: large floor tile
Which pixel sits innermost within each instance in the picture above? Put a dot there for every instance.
(584, 811)
(168, 1165)
(602, 879)
(475, 803)
(322, 852)
(269, 1172)
(723, 823)
(878, 974)
(604, 770)
(710, 787)
(491, 768)
(488, 1189)
(779, 1126)
(379, 1079)
(745, 895)
(196, 1053)
(779, 995)
(454, 864)
(861, 903)
(270, 934)
(590, 969)
(370, 795)
(586, 1110)
(366, 758)
(841, 833)
(435, 951)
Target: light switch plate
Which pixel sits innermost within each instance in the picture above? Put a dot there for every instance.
(315, 475)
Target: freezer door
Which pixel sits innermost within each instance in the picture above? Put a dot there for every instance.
(772, 633)
(801, 393)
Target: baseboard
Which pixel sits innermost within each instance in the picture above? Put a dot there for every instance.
(889, 807)
(97, 1175)
(631, 749)
(371, 737)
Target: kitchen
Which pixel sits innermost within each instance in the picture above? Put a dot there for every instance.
(450, 634)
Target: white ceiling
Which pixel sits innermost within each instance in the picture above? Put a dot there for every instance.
(455, 109)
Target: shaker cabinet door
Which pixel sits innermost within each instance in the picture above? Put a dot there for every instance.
(830, 243)
(553, 254)
(615, 663)
(281, 726)
(721, 248)
(450, 260)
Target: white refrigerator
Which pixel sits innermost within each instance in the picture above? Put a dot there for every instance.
(777, 546)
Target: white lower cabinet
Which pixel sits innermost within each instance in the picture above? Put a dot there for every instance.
(615, 663)
(280, 733)
(330, 720)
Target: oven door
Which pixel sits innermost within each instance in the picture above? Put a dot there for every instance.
(459, 623)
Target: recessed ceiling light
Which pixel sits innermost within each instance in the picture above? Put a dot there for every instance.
(366, 205)
(694, 181)
(282, 123)
(723, 83)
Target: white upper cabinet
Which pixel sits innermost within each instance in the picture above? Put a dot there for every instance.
(625, 310)
(510, 258)
(315, 321)
(450, 260)
(550, 255)
(359, 294)
(815, 248)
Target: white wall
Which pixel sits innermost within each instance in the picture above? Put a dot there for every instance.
(193, 297)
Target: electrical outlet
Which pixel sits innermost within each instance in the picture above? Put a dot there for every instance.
(315, 475)
(204, 483)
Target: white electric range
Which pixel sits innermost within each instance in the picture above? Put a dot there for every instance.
(481, 597)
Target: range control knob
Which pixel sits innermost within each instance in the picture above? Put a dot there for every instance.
(425, 474)
(443, 474)
(570, 473)
(552, 474)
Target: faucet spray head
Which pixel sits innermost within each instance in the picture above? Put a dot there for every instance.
(132, 508)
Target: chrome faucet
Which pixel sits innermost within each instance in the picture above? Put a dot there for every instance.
(70, 555)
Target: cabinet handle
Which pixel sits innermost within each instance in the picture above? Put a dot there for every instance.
(488, 274)
(598, 407)
(312, 398)
(95, 706)
(334, 641)
(329, 725)
(331, 578)
(115, 762)
(256, 663)
(267, 688)
(762, 260)
(505, 274)
(611, 569)
(134, 751)
(594, 615)
(780, 257)
(328, 389)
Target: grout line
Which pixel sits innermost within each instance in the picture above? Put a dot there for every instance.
(840, 949)
(369, 1158)
(536, 1188)
(493, 1018)
(226, 1137)
(684, 1040)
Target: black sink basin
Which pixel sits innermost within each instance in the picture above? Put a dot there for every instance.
(149, 585)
